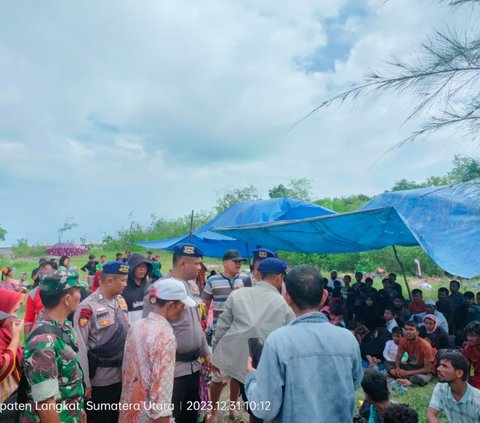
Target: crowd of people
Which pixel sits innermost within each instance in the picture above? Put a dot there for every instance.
(132, 345)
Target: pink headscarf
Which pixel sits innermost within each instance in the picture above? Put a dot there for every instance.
(434, 319)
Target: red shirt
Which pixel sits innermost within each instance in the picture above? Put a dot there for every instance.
(472, 354)
(34, 306)
(416, 308)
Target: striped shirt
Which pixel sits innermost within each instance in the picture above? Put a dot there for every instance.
(467, 410)
(218, 288)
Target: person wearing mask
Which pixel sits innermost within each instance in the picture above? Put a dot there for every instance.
(137, 285)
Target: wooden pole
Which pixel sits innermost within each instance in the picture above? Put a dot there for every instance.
(191, 227)
(403, 272)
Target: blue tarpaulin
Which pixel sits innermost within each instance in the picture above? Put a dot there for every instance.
(444, 221)
(244, 212)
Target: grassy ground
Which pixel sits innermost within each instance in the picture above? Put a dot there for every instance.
(418, 398)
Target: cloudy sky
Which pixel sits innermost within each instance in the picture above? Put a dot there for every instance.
(162, 106)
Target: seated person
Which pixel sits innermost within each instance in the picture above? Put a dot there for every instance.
(417, 304)
(403, 315)
(375, 387)
(471, 351)
(389, 316)
(397, 413)
(372, 347)
(387, 286)
(435, 334)
(369, 289)
(421, 358)
(453, 396)
(335, 314)
(369, 313)
(391, 349)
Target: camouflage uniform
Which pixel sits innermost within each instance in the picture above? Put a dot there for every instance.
(50, 362)
(52, 368)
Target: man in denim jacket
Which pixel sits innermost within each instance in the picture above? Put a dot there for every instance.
(310, 368)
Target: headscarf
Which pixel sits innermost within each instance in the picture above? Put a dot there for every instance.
(9, 300)
(434, 319)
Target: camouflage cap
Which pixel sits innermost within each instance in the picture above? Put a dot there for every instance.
(60, 280)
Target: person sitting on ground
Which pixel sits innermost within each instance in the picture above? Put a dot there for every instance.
(435, 334)
(442, 305)
(421, 358)
(400, 413)
(471, 351)
(471, 309)
(387, 286)
(369, 314)
(417, 305)
(391, 349)
(403, 315)
(383, 300)
(389, 316)
(335, 313)
(369, 289)
(395, 285)
(372, 347)
(431, 308)
(459, 401)
(375, 387)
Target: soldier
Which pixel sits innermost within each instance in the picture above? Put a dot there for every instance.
(191, 341)
(101, 326)
(51, 369)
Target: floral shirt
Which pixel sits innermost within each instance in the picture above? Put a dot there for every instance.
(148, 370)
(52, 370)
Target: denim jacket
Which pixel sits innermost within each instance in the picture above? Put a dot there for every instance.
(308, 372)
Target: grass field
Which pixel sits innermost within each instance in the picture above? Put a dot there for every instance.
(418, 398)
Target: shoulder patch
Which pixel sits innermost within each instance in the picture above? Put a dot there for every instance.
(84, 317)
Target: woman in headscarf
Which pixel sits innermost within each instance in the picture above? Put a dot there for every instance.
(435, 334)
(369, 313)
(10, 349)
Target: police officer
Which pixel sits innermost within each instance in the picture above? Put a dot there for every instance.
(101, 326)
(191, 342)
(259, 254)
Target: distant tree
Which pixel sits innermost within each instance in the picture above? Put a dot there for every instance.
(444, 80)
(3, 232)
(298, 188)
(67, 226)
(249, 192)
(279, 191)
(464, 169)
(403, 184)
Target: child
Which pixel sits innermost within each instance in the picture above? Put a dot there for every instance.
(389, 316)
(391, 348)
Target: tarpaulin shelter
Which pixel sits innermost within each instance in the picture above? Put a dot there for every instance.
(444, 221)
(244, 212)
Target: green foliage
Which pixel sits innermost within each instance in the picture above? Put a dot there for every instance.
(67, 226)
(464, 169)
(298, 188)
(344, 204)
(3, 232)
(21, 249)
(249, 192)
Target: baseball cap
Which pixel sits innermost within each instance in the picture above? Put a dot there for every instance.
(60, 280)
(430, 302)
(171, 289)
(273, 266)
(232, 255)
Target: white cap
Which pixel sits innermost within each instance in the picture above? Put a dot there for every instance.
(171, 289)
(430, 302)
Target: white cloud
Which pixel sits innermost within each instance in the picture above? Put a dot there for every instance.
(149, 106)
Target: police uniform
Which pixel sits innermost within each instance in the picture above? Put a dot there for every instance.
(101, 327)
(259, 254)
(50, 360)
